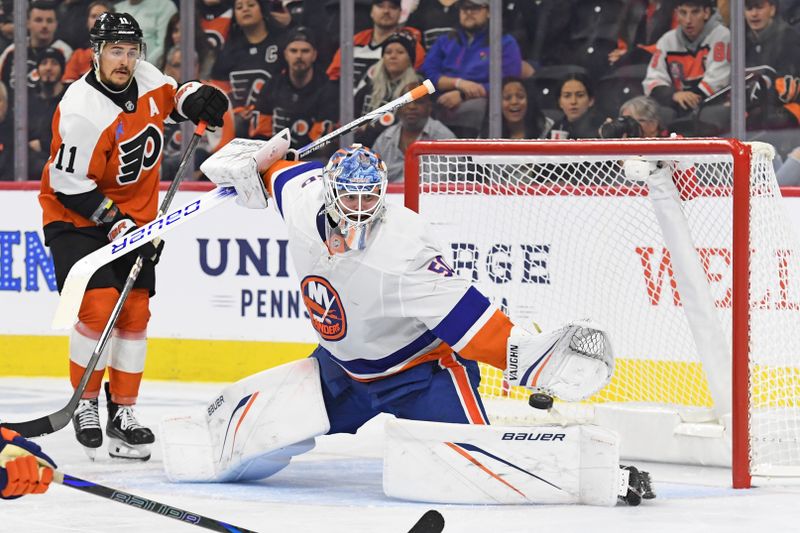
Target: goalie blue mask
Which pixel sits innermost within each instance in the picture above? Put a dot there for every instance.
(355, 181)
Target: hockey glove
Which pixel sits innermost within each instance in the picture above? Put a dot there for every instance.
(150, 251)
(788, 88)
(203, 102)
(24, 468)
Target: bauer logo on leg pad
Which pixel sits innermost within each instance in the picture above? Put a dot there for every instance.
(534, 436)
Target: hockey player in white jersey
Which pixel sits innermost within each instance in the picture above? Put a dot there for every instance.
(399, 333)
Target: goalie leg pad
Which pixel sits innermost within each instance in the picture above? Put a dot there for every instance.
(241, 163)
(249, 431)
(470, 464)
(571, 363)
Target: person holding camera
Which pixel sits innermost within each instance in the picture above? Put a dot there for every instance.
(638, 117)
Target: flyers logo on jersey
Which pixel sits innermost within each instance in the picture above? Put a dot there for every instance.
(140, 152)
(325, 308)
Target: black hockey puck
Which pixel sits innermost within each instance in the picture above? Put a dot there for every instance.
(540, 400)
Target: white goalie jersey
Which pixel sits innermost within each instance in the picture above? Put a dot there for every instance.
(391, 306)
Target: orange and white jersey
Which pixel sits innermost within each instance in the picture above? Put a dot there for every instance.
(112, 142)
(703, 64)
(389, 307)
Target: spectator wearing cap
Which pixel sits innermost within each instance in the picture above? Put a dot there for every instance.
(385, 82)
(153, 17)
(414, 124)
(300, 98)
(42, 103)
(42, 24)
(368, 44)
(81, 60)
(322, 18)
(458, 65)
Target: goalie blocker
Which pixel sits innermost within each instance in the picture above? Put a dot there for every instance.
(253, 428)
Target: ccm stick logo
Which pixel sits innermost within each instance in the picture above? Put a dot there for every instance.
(166, 220)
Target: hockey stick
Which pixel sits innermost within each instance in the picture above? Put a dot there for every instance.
(55, 421)
(75, 285)
(82, 271)
(418, 92)
(139, 502)
(80, 274)
(431, 522)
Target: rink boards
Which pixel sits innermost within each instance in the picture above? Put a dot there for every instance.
(227, 302)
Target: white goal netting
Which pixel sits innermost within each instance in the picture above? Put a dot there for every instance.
(553, 234)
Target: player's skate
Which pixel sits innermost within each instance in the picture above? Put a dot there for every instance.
(86, 421)
(637, 487)
(128, 439)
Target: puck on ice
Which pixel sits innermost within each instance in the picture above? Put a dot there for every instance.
(540, 400)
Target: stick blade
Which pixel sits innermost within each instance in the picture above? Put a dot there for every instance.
(431, 522)
(72, 295)
(38, 427)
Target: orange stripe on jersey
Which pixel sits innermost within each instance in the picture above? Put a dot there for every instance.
(275, 168)
(465, 390)
(488, 345)
(441, 351)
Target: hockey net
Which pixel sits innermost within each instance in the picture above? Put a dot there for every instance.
(697, 282)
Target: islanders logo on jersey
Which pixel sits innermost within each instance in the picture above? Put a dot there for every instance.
(324, 307)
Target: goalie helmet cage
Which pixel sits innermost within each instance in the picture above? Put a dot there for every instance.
(695, 276)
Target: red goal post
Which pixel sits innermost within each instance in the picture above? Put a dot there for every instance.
(557, 206)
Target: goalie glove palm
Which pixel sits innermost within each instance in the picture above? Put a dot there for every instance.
(571, 363)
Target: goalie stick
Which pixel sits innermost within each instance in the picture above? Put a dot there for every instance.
(55, 421)
(145, 504)
(75, 285)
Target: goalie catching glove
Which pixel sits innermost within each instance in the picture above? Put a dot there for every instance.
(570, 363)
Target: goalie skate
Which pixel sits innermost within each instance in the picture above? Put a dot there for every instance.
(636, 486)
(128, 439)
(86, 421)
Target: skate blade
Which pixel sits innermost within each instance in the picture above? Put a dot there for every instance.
(91, 453)
(122, 450)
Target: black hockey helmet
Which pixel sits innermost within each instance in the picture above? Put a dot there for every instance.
(115, 27)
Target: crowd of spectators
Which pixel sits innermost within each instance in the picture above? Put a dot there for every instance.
(570, 68)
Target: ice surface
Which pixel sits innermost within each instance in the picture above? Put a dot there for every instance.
(337, 487)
